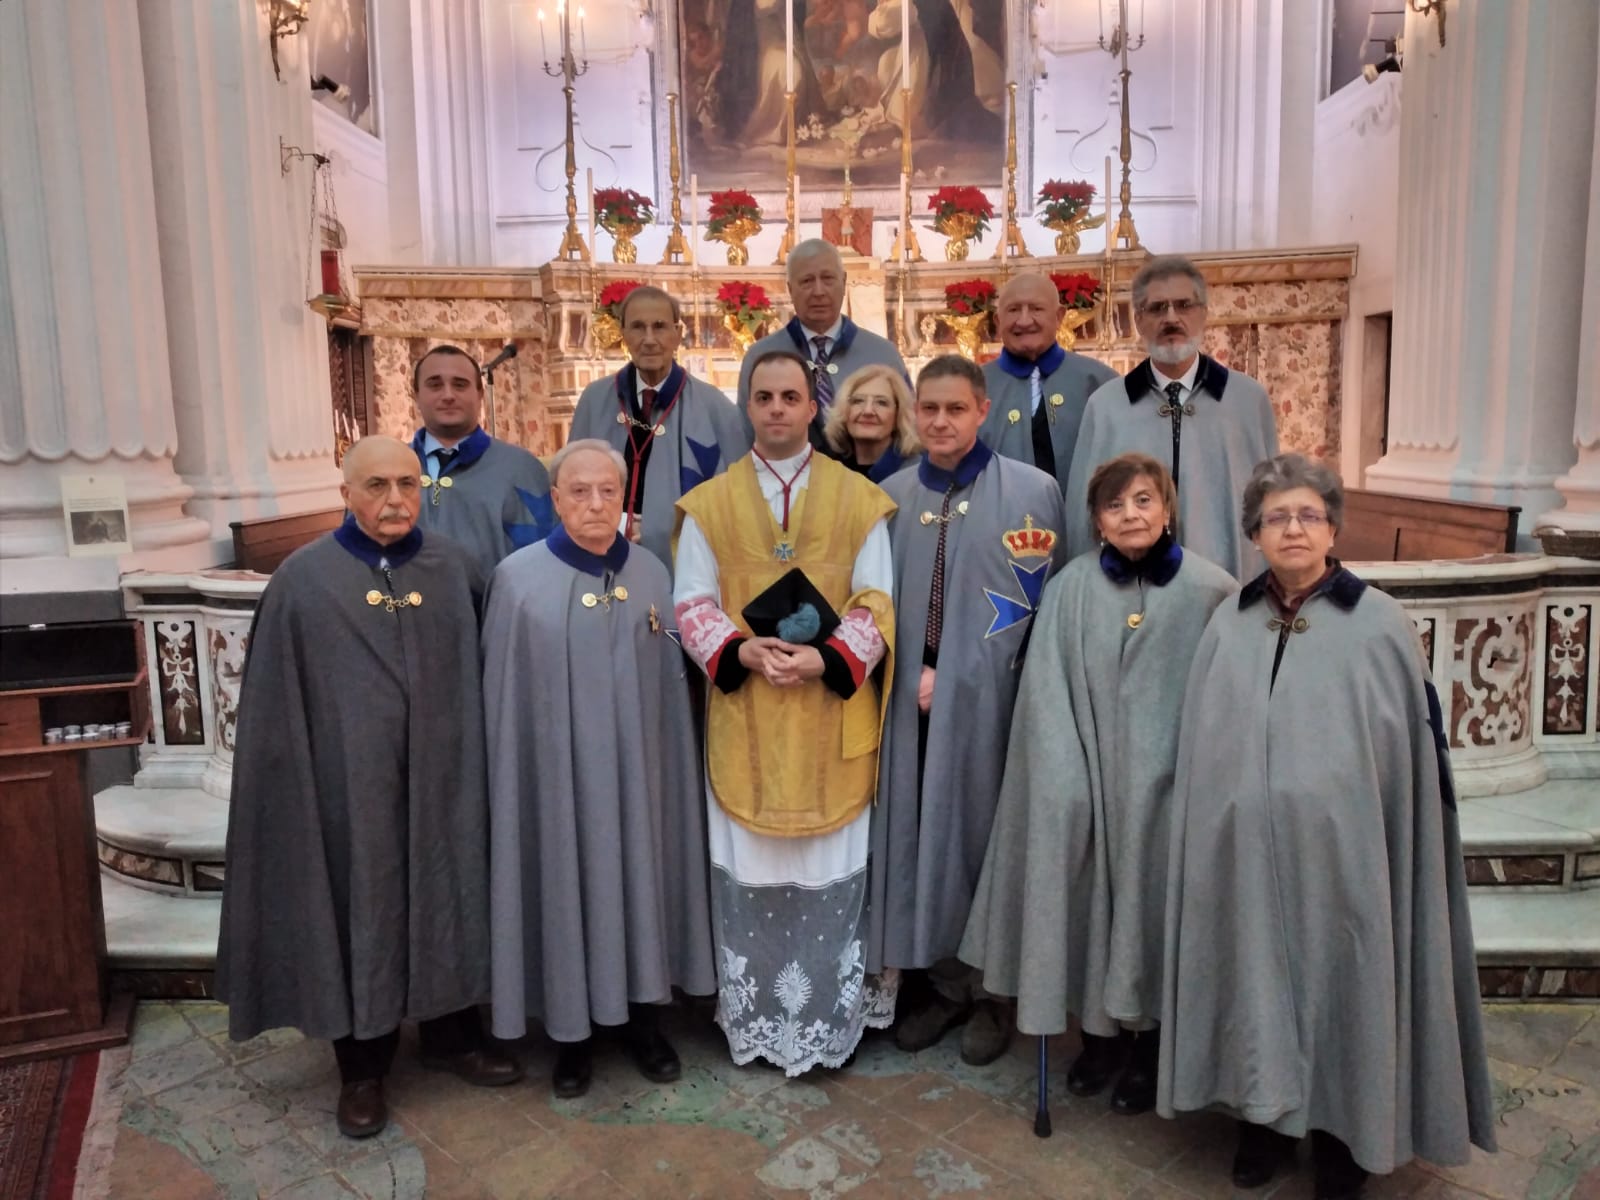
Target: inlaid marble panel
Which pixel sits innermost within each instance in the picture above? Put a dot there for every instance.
(178, 677)
(1567, 668)
(228, 642)
(1491, 681)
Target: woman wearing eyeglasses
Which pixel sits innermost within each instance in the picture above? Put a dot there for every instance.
(1319, 975)
(869, 425)
(1069, 910)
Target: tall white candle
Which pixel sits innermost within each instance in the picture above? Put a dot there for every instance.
(694, 218)
(905, 43)
(788, 45)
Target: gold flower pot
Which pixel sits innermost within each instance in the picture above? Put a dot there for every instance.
(1072, 320)
(623, 232)
(957, 227)
(1067, 231)
(743, 338)
(607, 331)
(969, 330)
(734, 235)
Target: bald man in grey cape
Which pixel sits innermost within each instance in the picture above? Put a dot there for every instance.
(358, 825)
(598, 834)
(1037, 390)
(1207, 424)
(820, 333)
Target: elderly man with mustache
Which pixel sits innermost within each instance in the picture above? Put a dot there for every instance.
(1208, 425)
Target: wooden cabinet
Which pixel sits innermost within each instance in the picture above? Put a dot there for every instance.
(53, 980)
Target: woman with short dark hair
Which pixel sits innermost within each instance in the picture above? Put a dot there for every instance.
(1319, 974)
(1069, 908)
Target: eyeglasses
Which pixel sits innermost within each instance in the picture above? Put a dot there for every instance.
(1309, 519)
(1180, 308)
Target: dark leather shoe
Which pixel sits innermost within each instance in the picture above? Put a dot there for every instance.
(653, 1055)
(1135, 1092)
(362, 1111)
(574, 1069)
(1261, 1152)
(927, 1026)
(1338, 1177)
(1095, 1064)
(483, 1067)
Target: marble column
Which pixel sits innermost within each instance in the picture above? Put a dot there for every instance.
(83, 333)
(1256, 123)
(1495, 135)
(249, 360)
(1580, 487)
(452, 132)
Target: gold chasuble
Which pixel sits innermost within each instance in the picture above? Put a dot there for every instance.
(793, 761)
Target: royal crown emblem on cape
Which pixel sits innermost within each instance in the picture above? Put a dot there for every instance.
(1030, 542)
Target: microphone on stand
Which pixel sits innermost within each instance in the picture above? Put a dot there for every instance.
(509, 350)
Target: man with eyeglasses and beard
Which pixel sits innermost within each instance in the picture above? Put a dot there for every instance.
(1207, 424)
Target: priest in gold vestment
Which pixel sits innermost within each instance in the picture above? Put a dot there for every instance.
(792, 725)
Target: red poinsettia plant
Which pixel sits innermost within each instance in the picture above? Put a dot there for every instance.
(947, 202)
(1081, 289)
(618, 205)
(969, 297)
(612, 296)
(728, 207)
(745, 302)
(1065, 201)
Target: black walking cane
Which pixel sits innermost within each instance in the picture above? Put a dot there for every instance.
(1041, 1117)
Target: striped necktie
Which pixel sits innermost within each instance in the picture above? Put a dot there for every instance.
(824, 377)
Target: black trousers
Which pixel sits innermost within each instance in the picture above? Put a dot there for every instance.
(362, 1059)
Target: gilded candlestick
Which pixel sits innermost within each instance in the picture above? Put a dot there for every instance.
(906, 248)
(677, 247)
(791, 231)
(1011, 234)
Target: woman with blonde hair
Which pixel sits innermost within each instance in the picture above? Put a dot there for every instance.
(869, 424)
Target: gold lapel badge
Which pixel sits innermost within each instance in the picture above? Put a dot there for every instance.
(1057, 399)
(1135, 620)
(655, 620)
(1014, 416)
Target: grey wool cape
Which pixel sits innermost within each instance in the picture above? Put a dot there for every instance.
(598, 849)
(1070, 907)
(929, 834)
(1319, 959)
(357, 884)
(703, 435)
(1065, 395)
(1231, 430)
(497, 501)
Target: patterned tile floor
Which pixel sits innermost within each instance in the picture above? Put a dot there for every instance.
(206, 1118)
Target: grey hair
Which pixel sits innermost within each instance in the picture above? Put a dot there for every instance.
(813, 248)
(1165, 266)
(645, 292)
(1284, 473)
(578, 447)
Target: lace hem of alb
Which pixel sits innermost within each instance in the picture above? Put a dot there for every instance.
(785, 1043)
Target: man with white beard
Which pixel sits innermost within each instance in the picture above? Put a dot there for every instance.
(1207, 424)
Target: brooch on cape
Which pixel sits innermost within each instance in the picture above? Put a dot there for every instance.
(443, 481)
(929, 518)
(390, 603)
(655, 430)
(1298, 625)
(590, 599)
(1135, 620)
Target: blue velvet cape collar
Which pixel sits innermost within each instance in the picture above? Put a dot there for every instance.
(350, 536)
(841, 344)
(1158, 566)
(1342, 587)
(965, 475)
(590, 563)
(1020, 368)
(468, 450)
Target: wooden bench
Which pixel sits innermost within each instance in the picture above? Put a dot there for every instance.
(264, 542)
(1381, 527)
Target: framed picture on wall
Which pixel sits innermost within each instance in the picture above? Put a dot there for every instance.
(728, 62)
(341, 52)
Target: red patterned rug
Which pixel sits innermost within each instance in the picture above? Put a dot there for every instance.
(44, 1109)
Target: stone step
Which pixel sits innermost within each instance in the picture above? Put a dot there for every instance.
(1545, 839)
(168, 840)
(147, 931)
(1537, 944)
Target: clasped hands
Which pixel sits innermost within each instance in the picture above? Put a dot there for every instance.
(781, 663)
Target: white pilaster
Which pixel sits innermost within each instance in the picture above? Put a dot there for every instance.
(1257, 119)
(83, 341)
(452, 133)
(1488, 286)
(249, 359)
(1580, 487)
